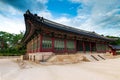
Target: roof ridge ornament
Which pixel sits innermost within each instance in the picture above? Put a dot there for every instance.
(42, 20)
(28, 12)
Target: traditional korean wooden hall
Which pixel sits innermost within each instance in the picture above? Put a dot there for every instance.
(43, 35)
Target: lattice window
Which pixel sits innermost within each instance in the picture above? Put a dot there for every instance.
(59, 44)
(46, 43)
(70, 45)
(101, 47)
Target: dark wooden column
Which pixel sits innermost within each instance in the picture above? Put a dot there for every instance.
(105, 46)
(37, 43)
(53, 39)
(75, 44)
(33, 45)
(107, 49)
(65, 45)
(84, 47)
(101, 51)
(40, 36)
(27, 47)
(29, 51)
(53, 42)
(96, 47)
(90, 47)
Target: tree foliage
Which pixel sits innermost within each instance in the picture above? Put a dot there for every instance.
(117, 40)
(10, 44)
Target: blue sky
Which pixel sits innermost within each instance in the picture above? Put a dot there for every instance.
(101, 16)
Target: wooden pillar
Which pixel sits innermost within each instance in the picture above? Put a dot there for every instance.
(104, 50)
(84, 47)
(107, 47)
(37, 45)
(105, 44)
(65, 45)
(53, 39)
(39, 42)
(114, 52)
(90, 47)
(40, 49)
(28, 48)
(101, 47)
(75, 44)
(96, 47)
(32, 46)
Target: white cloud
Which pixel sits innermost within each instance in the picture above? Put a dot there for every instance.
(113, 12)
(11, 25)
(13, 11)
(63, 20)
(42, 1)
(8, 20)
(45, 14)
(80, 1)
(100, 16)
(9, 10)
(103, 16)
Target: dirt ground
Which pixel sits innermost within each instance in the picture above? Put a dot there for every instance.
(100, 70)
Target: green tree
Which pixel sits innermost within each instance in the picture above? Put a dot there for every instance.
(116, 41)
(10, 44)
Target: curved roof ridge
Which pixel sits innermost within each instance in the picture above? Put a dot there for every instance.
(63, 27)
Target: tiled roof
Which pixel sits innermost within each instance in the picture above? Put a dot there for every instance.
(116, 47)
(65, 28)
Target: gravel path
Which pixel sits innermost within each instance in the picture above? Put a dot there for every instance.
(99, 70)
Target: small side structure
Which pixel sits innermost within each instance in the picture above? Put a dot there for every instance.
(45, 37)
(114, 49)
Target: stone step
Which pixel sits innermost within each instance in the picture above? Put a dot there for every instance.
(95, 57)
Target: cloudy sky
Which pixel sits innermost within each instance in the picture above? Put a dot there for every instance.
(101, 16)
